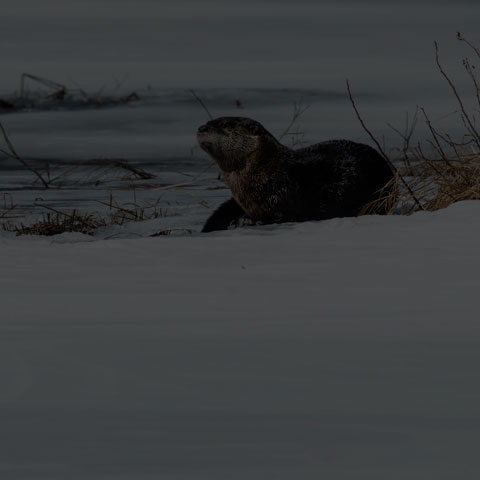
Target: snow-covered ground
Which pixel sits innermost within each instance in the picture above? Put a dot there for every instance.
(344, 349)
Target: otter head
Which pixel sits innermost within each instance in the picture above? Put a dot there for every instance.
(233, 141)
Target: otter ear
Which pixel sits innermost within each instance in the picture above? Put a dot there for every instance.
(264, 141)
(258, 130)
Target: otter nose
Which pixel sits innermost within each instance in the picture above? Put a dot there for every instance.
(203, 129)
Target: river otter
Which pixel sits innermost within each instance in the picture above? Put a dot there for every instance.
(272, 183)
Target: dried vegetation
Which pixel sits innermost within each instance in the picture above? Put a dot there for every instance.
(52, 95)
(442, 170)
(54, 221)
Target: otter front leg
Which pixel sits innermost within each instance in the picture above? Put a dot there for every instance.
(226, 214)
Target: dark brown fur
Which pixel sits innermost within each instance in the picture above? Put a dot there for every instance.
(272, 183)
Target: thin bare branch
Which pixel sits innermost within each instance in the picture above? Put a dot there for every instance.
(298, 111)
(471, 126)
(462, 39)
(61, 89)
(15, 155)
(469, 68)
(435, 136)
(200, 101)
(120, 163)
(384, 155)
(406, 135)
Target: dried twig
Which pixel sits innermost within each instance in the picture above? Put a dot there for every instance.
(466, 118)
(298, 111)
(14, 154)
(435, 136)
(469, 68)
(384, 155)
(5, 215)
(406, 135)
(462, 39)
(119, 163)
(132, 211)
(200, 101)
(60, 92)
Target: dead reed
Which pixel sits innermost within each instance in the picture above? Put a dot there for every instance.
(132, 211)
(119, 163)
(11, 153)
(297, 137)
(441, 170)
(54, 221)
(102, 166)
(53, 95)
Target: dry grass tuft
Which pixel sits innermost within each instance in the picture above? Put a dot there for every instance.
(387, 201)
(54, 221)
(436, 184)
(441, 182)
(132, 212)
(456, 182)
(449, 172)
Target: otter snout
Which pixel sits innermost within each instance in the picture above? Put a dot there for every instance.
(204, 133)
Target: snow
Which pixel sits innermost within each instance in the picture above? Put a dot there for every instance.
(343, 349)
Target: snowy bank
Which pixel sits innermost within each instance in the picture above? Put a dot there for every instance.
(344, 349)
